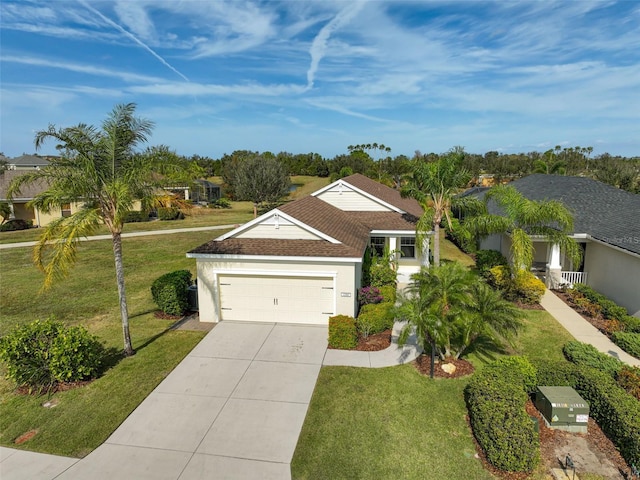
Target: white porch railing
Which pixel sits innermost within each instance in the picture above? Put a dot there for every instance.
(574, 277)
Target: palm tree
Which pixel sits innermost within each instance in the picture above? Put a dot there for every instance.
(451, 309)
(435, 185)
(523, 218)
(550, 164)
(99, 169)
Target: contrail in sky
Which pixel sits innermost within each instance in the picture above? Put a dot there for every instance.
(134, 38)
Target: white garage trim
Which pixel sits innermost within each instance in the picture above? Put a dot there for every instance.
(285, 306)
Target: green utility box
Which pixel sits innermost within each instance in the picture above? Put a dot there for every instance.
(562, 408)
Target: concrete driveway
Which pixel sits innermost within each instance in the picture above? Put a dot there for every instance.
(233, 409)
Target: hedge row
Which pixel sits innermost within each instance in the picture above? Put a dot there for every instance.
(169, 292)
(584, 354)
(375, 318)
(496, 398)
(628, 341)
(609, 308)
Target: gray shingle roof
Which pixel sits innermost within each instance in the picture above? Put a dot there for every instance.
(604, 212)
(29, 161)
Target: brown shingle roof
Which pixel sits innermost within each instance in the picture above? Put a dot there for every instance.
(384, 193)
(277, 247)
(27, 192)
(385, 220)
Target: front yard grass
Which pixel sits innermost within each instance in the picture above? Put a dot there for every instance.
(84, 417)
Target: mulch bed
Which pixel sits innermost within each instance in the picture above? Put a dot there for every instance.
(58, 387)
(599, 322)
(374, 343)
(165, 316)
(463, 367)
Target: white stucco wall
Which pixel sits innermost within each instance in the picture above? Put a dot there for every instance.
(615, 274)
(346, 274)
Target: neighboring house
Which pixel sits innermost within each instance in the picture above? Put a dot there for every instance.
(201, 191)
(302, 262)
(19, 203)
(27, 162)
(606, 225)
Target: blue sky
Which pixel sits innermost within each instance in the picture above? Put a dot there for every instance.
(317, 76)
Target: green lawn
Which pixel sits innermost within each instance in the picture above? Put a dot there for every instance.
(84, 417)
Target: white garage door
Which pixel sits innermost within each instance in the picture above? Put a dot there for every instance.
(276, 298)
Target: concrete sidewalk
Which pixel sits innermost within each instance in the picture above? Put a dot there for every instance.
(393, 355)
(232, 409)
(582, 330)
(146, 233)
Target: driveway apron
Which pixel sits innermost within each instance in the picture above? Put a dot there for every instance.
(232, 409)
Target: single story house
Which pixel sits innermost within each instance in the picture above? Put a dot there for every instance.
(302, 262)
(606, 225)
(27, 162)
(19, 203)
(200, 191)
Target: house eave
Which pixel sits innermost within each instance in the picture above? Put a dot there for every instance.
(227, 257)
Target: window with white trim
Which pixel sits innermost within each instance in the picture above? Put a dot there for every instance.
(408, 247)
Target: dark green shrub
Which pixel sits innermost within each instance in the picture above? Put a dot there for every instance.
(375, 318)
(389, 293)
(556, 373)
(584, 354)
(500, 422)
(630, 324)
(169, 292)
(220, 203)
(381, 274)
(16, 224)
(169, 213)
(487, 259)
(342, 332)
(43, 353)
(628, 341)
(617, 412)
(514, 370)
(135, 217)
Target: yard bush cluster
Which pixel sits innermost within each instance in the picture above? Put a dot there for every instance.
(16, 224)
(169, 213)
(169, 292)
(342, 332)
(610, 310)
(136, 217)
(382, 274)
(524, 286)
(496, 398)
(587, 355)
(461, 236)
(375, 318)
(487, 259)
(389, 293)
(628, 341)
(629, 379)
(41, 354)
(220, 203)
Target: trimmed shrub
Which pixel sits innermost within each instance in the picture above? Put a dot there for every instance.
(16, 224)
(629, 342)
(375, 318)
(220, 203)
(499, 277)
(584, 354)
(500, 422)
(369, 295)
(389, 294)
(515, 370)
(342, 332)
(169, 292)
(528, 288)
(630, 324)
(609, 308)
(41, 354)
(556, 373)
(487, 259)
(135, 217)
(617, 412)
(169, 213)
(629, 379)
(381, 274)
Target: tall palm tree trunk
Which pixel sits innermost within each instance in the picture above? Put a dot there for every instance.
(436, 244)
(124, 313)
